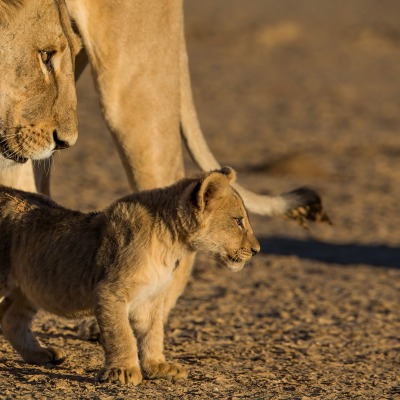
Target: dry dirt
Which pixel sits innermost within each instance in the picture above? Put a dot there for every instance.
(290, 93)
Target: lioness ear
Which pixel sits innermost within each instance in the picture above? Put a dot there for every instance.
(67, 24)
(212, 187)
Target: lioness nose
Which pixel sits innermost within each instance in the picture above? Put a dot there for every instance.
(60, 144)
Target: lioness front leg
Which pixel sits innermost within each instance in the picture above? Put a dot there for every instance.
(147, 323)
(16, 326)
(119, 343)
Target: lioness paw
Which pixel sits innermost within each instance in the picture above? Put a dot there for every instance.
(121, 375)
(165, 370)
(49, 355)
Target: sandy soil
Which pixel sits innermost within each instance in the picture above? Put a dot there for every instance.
(289, 93)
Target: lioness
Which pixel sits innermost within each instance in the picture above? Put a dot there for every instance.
(116, 265)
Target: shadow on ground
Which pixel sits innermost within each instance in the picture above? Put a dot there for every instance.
(345, 254)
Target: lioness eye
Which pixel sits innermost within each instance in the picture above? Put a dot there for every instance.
(239, 221)
(46, 58)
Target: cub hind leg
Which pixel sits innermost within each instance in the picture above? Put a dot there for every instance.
(16, 320)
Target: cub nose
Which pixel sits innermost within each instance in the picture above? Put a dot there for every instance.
(60, 144)
(255, 249)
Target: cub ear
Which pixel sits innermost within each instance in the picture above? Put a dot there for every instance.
(229, 172)
(212, 187)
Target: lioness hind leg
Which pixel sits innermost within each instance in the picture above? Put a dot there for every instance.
(16, 326)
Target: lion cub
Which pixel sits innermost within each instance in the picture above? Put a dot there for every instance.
(116, 265)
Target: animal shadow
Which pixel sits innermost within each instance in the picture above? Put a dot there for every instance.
(377, 255)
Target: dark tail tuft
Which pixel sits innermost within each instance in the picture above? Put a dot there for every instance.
(305, 205)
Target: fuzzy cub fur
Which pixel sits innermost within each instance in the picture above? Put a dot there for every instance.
(116, 265)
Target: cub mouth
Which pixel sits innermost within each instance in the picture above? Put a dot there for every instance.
(233, 263)
(11, 155)
(234, 259)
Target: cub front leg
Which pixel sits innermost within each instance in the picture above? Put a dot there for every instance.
(16, 319)
(119, 343)
(147, 323)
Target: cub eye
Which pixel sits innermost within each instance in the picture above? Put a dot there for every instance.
(239, 221)
(46, 57)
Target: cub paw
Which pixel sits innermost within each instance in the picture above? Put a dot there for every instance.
(165, 370)
(121, 375)
(49, 355)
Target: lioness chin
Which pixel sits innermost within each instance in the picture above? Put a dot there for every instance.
(116, 265)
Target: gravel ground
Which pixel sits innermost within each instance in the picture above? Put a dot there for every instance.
(290, 94)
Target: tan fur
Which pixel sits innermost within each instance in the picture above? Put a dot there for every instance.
(117, 265)
(37, 99)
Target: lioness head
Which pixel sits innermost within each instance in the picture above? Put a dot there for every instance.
(223, 227)
(37, 88)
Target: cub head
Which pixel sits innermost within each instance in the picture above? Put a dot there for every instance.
(223, 227)
(37, 89)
